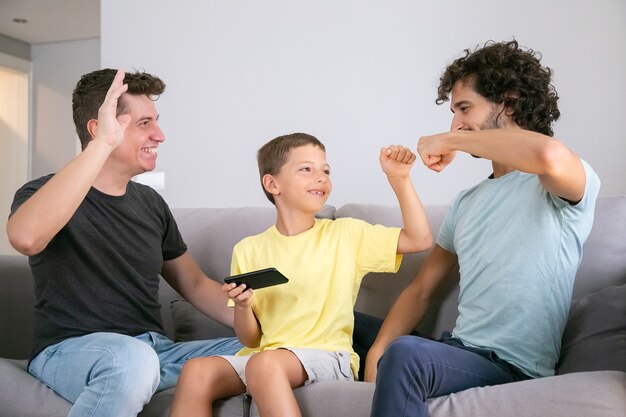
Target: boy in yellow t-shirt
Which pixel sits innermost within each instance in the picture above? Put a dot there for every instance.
(301, 332)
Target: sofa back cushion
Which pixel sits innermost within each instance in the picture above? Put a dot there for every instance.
(604, 260)
(212, 233)
(17, 298)
(190, 324)
(595, 336)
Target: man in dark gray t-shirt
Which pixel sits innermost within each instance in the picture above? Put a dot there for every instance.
(97, 244)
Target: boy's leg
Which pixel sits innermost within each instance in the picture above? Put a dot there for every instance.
(271, 376)
(173, 356)
(202, 382)
(102, 374)
(414, 369)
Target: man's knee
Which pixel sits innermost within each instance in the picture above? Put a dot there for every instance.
(104, 371)
(407, 350)
(131, 363)
(404, 345)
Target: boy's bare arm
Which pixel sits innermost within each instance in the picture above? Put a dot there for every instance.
(396, 162)
(247, 327)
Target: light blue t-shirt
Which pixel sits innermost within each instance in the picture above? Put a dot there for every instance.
(518, 249)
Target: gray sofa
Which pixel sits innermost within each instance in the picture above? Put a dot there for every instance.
(591, 375)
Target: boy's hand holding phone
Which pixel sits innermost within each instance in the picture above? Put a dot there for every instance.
(240, 294)
(237, 286)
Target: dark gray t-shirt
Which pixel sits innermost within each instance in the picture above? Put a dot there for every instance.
(100, 273)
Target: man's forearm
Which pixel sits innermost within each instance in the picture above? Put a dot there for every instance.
(41, 217)
(411, 306)
(406, 313)
(560, 171)
(519, 149)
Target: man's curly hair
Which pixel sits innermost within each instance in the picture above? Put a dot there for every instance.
(506, 73)
(92, 88)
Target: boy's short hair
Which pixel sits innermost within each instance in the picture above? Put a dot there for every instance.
(92, 88)
(273, 155)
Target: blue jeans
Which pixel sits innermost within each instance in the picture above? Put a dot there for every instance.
(414, 369)
(109, 374)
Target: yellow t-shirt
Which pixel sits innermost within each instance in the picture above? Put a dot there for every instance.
(325, 265)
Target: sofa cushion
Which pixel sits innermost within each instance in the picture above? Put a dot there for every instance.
(582, 394)
(190, 324)
(603, 263)
(24, 395)
(159, 406)
(595, 335)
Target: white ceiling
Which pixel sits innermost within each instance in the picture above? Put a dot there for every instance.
(50, 20)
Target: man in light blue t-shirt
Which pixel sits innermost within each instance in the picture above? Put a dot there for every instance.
(517, 238)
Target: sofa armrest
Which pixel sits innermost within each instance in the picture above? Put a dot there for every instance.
(24, 395)
(17, 298)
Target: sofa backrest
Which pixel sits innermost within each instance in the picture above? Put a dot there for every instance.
(212, 232)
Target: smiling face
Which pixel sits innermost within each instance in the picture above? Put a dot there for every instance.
(138, 152)
(473, 111)
(303, 182)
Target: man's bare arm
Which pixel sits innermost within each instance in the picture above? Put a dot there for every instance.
(411, 305)
(40, 218)
(560, 171)
(186, 277)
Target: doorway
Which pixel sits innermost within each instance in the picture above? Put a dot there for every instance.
(14, 135)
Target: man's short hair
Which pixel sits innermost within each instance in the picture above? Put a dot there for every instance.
(273, 155)
(506, 73)
(92, 88)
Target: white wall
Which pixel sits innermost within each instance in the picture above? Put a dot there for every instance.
(57, 66)
(14, 127)
(358, 75)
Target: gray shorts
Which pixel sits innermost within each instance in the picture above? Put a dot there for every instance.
(320, 365)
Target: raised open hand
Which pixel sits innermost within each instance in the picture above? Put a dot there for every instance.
(110, 129)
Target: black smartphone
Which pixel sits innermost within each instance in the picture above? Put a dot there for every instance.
(258, 279)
